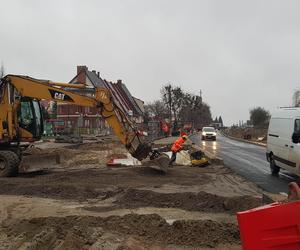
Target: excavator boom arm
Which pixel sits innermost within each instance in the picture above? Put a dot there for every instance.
(39, 89)
(23, 86)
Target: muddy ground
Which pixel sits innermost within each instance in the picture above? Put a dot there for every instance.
(83, 204)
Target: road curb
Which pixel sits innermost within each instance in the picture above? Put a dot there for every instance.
(243, 140)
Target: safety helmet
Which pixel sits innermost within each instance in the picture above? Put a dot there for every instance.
(184, 137)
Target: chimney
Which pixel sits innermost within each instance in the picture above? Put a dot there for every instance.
(94, 71)
(81, 68)
(119, 81)
(98, 74)
(81, 74)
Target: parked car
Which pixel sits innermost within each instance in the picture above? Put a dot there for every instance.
(283, 141)
(209, 133)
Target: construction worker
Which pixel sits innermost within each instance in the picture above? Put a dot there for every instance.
(176, 147)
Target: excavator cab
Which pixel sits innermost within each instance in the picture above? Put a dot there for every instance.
(30, 117)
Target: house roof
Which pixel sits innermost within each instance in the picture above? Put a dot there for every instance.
(122, 95)
(135, 98)
(118, 90)
(115, 92)
(95, 80)
(135, 106)
(92, 76)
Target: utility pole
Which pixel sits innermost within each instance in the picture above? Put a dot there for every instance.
(2, 71)
(200, 95)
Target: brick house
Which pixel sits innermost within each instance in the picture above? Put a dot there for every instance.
(88, 120)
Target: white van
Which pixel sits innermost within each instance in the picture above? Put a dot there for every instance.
(283, 143)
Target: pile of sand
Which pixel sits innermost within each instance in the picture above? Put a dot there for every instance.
(85, 155)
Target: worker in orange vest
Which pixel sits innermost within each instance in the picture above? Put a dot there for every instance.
(176, 147)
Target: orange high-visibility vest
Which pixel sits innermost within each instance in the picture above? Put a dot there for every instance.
(177, 145)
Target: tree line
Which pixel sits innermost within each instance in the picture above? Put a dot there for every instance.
(259, 117)
(179, 107)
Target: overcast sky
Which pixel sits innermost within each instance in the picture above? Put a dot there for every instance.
(241, 54)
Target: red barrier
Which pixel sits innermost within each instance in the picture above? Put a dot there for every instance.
(275, 226)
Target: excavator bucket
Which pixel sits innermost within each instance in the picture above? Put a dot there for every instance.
(158, 161)
(38, 162)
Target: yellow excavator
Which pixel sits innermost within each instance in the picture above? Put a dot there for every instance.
(21, 119)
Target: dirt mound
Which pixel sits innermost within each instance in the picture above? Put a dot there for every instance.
(99, 146)
(74, 232)
(83, 182)
(201, 201)
(118, 155)
(96, 183)
(33, 150)
(59, 186)
(81, 155)
(132, 244)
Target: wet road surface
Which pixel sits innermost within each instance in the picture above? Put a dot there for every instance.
(249, 161)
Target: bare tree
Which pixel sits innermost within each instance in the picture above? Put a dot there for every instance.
(180, 107)
(172, 97)
(157, 109)
(167, 98)
(296, 98)
(195, 111)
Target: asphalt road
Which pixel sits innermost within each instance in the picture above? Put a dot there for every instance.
(249, 161)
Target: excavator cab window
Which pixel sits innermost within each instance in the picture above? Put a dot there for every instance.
(31, 117)
(38, 118)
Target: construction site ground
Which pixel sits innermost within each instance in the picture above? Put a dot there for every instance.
(83, 204)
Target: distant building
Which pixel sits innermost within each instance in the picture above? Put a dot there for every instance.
(88, 119)
(140, 103)
(216, 125)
